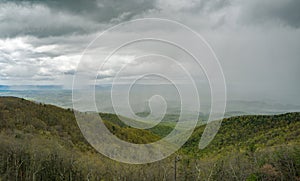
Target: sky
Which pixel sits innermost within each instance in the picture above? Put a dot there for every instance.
(257, 42)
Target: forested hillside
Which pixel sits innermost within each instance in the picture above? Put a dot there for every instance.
(43, 142)
(244, 133)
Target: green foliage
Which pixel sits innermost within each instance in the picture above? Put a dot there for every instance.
(19, 114)
(43, 142)
(249, 133)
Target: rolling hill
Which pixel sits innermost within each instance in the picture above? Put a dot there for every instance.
(43, 142)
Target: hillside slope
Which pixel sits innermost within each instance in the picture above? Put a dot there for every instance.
(43, 142)
(20, 114)
(250, 133)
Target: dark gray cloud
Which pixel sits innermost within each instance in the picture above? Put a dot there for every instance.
(102, 10)
(19, 19)
(76, 17)
(280, 12)
(218, 13)
(209, 5)
(57, 18)
(98, 10)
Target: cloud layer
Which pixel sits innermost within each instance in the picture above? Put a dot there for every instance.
(256, 41)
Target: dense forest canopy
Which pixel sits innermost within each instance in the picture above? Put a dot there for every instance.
(43, 142)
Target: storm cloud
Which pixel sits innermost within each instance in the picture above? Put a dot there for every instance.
(257, 42)
(285, 13)
(57, 18)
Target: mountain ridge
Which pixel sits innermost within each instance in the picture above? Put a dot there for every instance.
(43, 142)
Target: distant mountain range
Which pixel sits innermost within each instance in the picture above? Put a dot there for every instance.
(30, 87)
(57, 95)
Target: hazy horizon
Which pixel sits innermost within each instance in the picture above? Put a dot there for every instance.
(59, 96)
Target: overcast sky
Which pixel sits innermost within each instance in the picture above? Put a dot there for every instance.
(257, 42)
